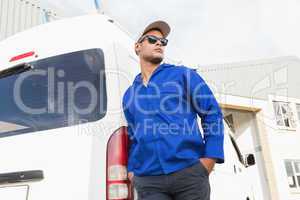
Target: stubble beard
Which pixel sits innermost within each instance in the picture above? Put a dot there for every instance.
(154, 59)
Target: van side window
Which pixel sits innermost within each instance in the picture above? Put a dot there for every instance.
(59, 91)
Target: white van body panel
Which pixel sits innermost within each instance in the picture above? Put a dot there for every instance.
(227, 179)
(72, 158)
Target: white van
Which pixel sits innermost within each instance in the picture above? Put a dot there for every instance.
(62, 130)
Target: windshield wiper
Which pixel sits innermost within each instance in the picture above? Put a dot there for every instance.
(16, 70)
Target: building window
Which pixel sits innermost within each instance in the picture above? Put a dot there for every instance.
(292, 168)
(298, 111)
(284, 115)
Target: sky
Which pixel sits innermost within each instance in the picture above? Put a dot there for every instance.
(207, 31)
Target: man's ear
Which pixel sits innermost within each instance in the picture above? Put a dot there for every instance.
(136, 48)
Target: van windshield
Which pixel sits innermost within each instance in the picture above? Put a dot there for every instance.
(59, 91)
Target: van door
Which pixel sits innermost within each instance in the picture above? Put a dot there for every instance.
(226, 179)
(44, 154)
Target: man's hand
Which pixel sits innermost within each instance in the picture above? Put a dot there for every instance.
(130, 176)
(208, 163)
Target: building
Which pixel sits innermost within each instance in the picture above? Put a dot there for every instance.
(19, 15)
(261, 101)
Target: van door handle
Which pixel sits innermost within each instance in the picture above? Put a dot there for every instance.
(22, 176)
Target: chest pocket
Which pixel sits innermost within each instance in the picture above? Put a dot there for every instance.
(171, 98)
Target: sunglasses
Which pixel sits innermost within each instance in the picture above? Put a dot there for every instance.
(153, 39)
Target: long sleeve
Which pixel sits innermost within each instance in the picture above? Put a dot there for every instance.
(208, 109)
(130, 128)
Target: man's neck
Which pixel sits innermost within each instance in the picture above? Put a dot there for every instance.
(147, 69)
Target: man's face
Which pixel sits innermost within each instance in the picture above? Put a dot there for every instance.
(153, 53)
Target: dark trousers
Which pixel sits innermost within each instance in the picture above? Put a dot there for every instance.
(191, 183)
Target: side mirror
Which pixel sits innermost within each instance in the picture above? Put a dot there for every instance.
(249, 160)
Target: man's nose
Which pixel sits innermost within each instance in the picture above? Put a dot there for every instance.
(158, 43)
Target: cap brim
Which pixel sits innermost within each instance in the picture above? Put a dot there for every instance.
(160, 25)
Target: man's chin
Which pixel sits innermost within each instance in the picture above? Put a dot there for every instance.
(156, 60)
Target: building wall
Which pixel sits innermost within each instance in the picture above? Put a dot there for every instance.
(19, 15)
(285, 145)
(272, 145)
(266, 80)
(256, 78)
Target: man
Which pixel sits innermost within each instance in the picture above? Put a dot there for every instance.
(168, 156)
